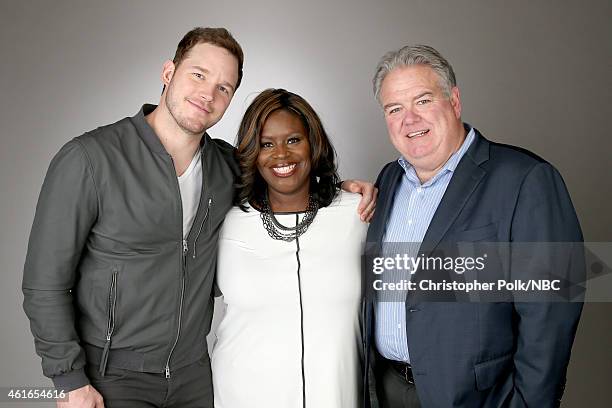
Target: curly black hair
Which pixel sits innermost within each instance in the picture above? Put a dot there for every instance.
(324, 177)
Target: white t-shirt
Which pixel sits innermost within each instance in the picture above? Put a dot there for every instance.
(190, 184)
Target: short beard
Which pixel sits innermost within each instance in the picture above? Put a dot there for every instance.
(183, 123)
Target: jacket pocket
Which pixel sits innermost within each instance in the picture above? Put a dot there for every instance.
(206, 217)
(484, 233)
(110, 326)
(488, 373)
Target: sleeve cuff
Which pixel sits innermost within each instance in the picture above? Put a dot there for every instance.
(71, 380)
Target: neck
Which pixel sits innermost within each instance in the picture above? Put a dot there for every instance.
(288, 203)
(178, 143)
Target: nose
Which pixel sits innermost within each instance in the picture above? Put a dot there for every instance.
(207, 92)
(410, 117)
(280, 151)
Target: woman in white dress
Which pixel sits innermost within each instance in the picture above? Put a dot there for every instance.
(289, 268)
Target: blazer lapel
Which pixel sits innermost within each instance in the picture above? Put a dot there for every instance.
(466, 177)
(388, 187)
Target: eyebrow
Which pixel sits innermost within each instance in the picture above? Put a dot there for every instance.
(295, 134)
(227, 84)
(419, 96)
(385, 107)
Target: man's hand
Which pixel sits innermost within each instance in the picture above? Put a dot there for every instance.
(84, 397)
(368, 197)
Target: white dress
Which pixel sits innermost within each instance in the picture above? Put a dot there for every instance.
(291, 324)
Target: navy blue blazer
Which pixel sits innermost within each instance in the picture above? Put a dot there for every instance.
(485, 354)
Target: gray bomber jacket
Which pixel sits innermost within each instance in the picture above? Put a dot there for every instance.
(108, 278)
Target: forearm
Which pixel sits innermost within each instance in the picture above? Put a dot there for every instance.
(547, 240)
(51, 315)
(65, 213)
(546, 333)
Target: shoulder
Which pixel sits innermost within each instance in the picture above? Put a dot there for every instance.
(341, 220)
(344, 206)
(238, 222)
(514, 155)
(346, 199)
(70, 155)
(523, 166)
(500, 154)
(518, 169)
(109, 142)
(227, 152)
(238, 216)
(81, 146)
(108, 134)
(386, 171)
(224, 146)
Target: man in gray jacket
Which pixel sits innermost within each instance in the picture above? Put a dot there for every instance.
(121, 258)
(120, 265)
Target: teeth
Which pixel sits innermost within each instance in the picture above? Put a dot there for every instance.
(284, 169)
(419, 133)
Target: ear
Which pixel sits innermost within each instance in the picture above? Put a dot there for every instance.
(167, 72)
(455, 100)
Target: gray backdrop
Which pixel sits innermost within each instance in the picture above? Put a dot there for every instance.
(534, 74)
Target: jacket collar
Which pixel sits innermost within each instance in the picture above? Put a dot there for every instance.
(147, 134)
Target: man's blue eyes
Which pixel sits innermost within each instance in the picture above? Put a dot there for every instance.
(398, 108)
(221, 87)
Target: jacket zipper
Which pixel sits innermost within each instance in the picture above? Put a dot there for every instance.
(184, 263)
(180, 316)
(112, 303)
(210, 201)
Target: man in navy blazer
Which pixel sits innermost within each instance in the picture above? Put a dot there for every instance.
(453, 185)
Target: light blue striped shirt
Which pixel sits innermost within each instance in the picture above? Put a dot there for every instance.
(413, 208)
